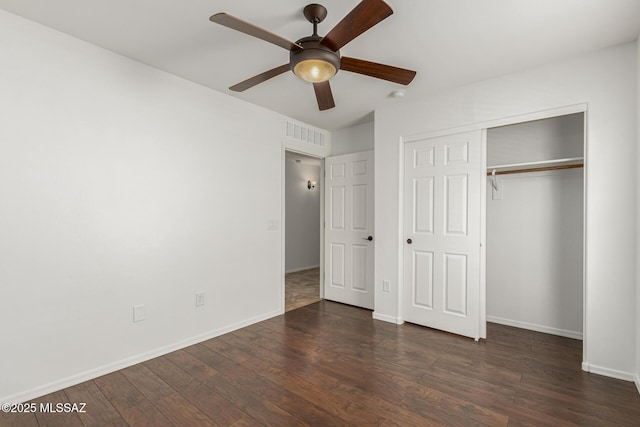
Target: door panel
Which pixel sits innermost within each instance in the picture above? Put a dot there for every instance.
(423, 197)
(442, 186)
(336, 266)
(455, 284)
(349, 209)
(359, 197)
(359, 269)
(337, 208)
(422, 283)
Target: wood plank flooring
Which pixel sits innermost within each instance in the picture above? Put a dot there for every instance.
(301, 288)
(329, 364)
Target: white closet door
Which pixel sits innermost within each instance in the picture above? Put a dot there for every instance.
(442, 233)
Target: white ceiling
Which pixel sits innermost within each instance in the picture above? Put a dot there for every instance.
(448, 42)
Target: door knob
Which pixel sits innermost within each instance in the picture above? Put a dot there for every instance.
(370, 238)
(409, 241)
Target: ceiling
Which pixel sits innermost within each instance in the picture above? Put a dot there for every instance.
(448, 42)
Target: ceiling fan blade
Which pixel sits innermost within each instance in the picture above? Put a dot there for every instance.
(250, 29)
(262, 77)
(324, 96)
(364, 16)
(380, 71)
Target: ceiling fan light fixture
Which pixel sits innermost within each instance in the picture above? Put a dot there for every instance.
(315, 70)
(314, 63)
(316, 58)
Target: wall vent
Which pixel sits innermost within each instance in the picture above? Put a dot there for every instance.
(304, 134)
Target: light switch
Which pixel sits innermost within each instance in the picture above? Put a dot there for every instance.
(200, 299)
(386, 286)
(273, 225)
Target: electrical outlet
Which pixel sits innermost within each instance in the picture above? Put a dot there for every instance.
(200, 299)
(138, 313)
(386, 286)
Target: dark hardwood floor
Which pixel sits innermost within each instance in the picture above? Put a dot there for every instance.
(330, 364)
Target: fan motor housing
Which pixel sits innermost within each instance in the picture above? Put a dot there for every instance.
(312, 49)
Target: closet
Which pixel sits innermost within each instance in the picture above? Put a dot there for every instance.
(534, 225)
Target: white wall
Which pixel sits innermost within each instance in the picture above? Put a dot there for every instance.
(302, 233)
(534, 252)
(354, 139)
(536, 141)
(124, 185)
(605, 80)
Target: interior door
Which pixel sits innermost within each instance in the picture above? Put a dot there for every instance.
(349, 238)
(442, 179)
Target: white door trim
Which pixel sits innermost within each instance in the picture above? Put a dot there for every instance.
(283, 209)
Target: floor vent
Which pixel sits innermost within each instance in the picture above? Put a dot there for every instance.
(303, 134)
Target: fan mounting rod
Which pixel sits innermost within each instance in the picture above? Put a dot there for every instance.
(315, 13)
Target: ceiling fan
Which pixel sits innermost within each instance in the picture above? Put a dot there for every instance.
(317, 59)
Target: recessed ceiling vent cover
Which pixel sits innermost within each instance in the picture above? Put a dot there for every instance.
(304, 134)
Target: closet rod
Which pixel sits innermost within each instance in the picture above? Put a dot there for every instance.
(539, 169)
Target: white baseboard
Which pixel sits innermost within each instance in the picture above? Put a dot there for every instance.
(129, 361)
(612, 373)
(638, 382)
(533, 327)
(294, 270)
(386, 318)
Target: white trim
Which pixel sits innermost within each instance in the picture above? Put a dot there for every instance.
(130, 361)
(322, 226)
(510, 120)
(585, 236)
(483, 237)
(611, 373)
(386, 318)
(283, 225)
(294, 270)
(637, 381)
(534, 327)
(401, 289)
(292, 146)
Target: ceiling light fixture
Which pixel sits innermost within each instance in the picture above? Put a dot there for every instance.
(315, 62)
(317, 59)
(315, 70)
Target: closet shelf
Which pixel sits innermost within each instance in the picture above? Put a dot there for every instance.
(547, 165)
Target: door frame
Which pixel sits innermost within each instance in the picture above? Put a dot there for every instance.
(283, 209)
(483, 126)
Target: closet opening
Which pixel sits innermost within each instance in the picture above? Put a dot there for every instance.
(535, 226)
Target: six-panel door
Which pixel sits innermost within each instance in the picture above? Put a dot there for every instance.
(348, 227)
(442, 178)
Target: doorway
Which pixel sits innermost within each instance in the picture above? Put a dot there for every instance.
(302, 232)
